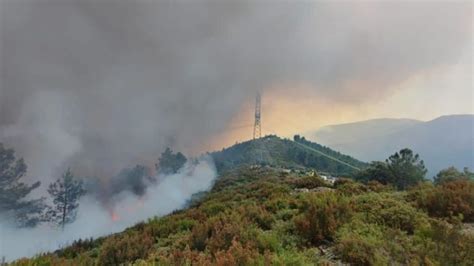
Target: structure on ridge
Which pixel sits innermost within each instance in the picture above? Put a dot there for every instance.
(257, 128)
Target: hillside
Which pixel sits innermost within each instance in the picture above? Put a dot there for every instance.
(284, 153)
(442, 142)
(262, 216)
(337, 134)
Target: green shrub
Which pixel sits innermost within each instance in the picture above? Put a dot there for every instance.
(199, 236)
(451, 246)
(217, 233)
(362, 244)
(350, 187)
(213, 208)
(309, 182)
(450, 199)
(390, 211)
(292, 257)
(257, 215)
(268, 241)
(237, 254)
(452, 174)
(378, 187)
(125, 248)
(322, 214)
(78, 247)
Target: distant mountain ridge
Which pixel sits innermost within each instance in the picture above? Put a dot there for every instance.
(284, 153)
(442, 142)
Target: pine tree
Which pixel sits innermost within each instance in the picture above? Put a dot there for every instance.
(13, 205)
(170, 163)
(66, 192)
(407, 168)
(402, 169)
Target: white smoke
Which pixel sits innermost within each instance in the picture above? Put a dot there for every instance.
(171, 193)
(49, 132)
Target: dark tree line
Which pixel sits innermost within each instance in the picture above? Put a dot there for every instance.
(66, 191)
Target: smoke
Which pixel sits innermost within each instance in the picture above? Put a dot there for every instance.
(102, 85)
(97, 85)
(171, 193)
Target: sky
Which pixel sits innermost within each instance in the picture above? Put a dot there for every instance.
(102, 85)
(429, 94)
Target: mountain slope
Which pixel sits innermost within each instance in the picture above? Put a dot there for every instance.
(262, 216)
(363, 130)
(284, 153)
(442, 142)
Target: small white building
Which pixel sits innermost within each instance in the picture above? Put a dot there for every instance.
(329, 179)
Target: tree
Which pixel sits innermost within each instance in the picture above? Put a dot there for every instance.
(452, 174)
(66, 192)
(402, 169)
(407, 168)
(170, 163)
(13, 203)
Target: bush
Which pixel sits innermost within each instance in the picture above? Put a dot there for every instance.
(199, 236)
(309, 182)
(378, 187)
(223, 232)
(238, 255)
(321, 215)
(78, 247)
(350, 187)
(451, 245)
(125, 248)
(389, 211)
(217, 233)
(257, 215)
(361, 244)
(213, 208)
(452, 174)
(267, 241)
(294, 257)
(450, 199)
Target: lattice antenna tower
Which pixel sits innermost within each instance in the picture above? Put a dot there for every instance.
(257, 128)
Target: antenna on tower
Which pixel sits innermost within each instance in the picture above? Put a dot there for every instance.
(257, 128)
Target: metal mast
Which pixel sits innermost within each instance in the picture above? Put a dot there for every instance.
(257, 128)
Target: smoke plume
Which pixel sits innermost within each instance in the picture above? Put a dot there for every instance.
(171, 193)
(99, 85)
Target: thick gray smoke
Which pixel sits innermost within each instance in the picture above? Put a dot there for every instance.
(171, 193)
(100, 85)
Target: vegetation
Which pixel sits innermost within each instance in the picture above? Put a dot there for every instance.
(169, 162)
(311, 157)
(260, 216)
(259, 213)
(284, 153)
(13, 193)
(452, 199)
(451, 174)
(65, 192)
(403, 170)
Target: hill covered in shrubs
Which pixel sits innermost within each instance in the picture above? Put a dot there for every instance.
(285, 153)
(264, 216)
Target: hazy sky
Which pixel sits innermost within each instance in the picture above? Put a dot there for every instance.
(428, 94)
(104, 84)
